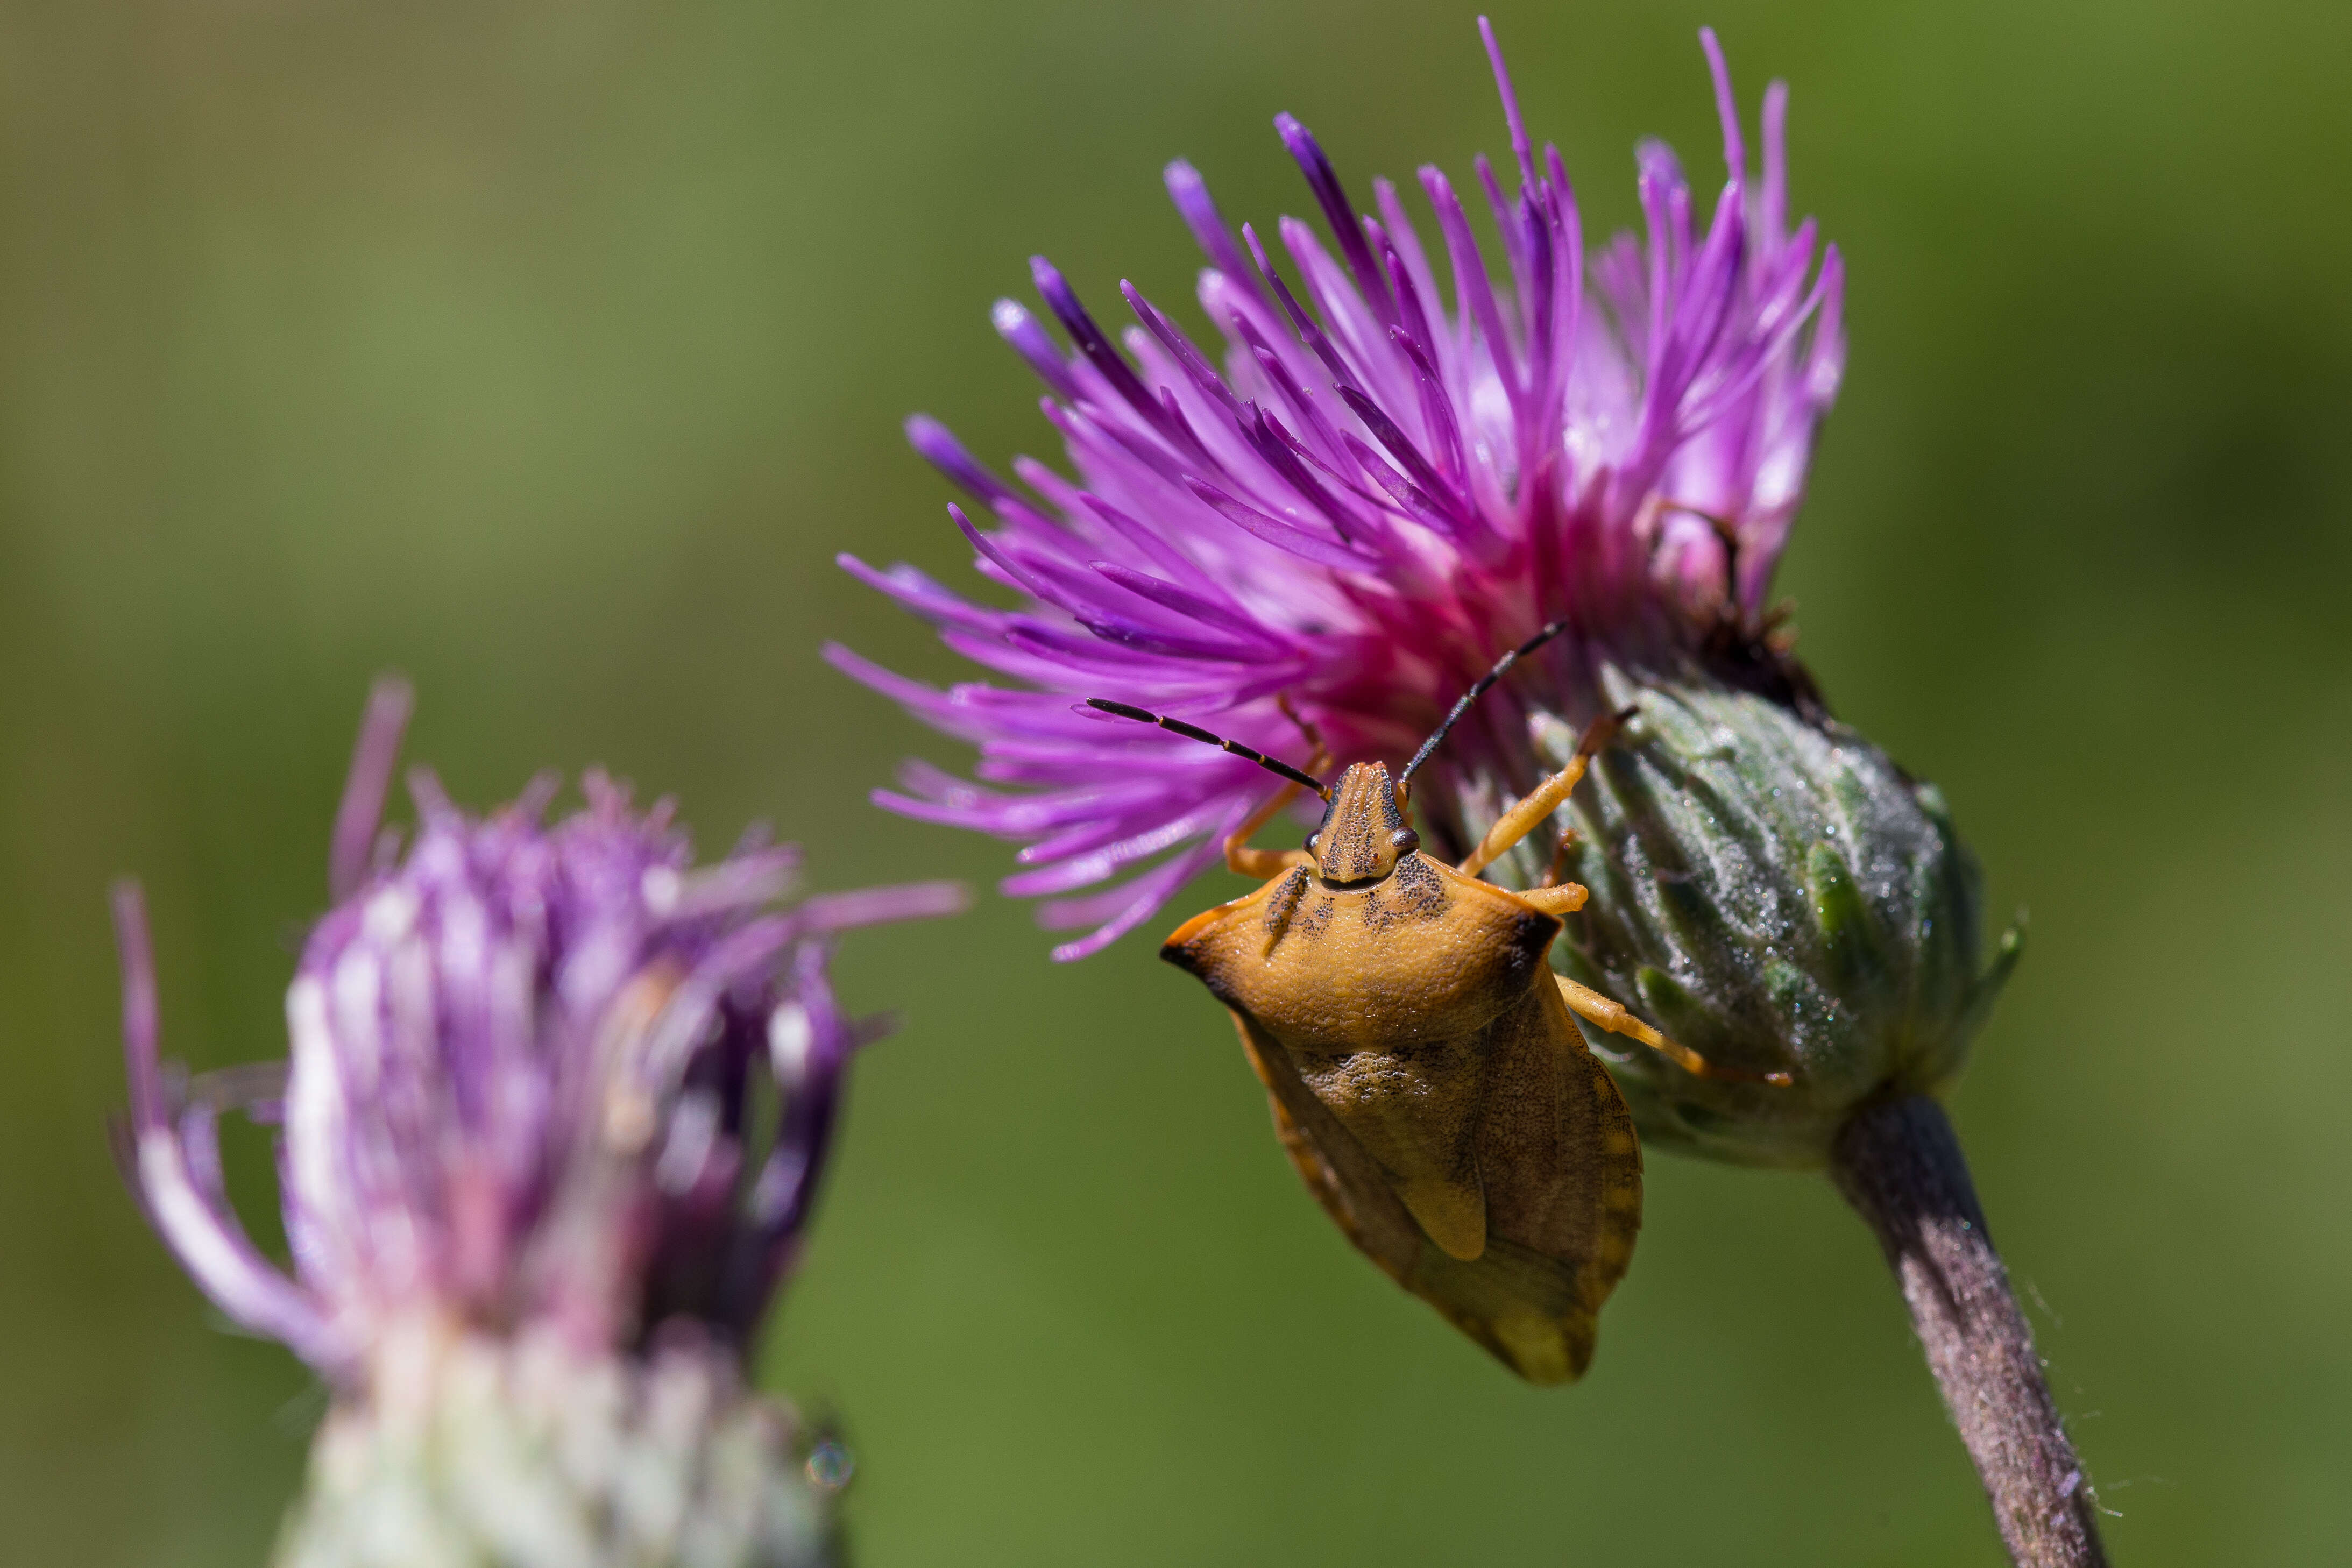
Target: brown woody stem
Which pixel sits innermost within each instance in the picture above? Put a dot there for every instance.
(1899, 1163)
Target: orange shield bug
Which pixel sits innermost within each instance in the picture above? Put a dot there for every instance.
(1425, 1073)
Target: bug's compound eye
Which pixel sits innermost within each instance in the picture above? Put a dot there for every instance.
(1404, 841)
(1314, 844)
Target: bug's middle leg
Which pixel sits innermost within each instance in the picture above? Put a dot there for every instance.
(1591, 1006)
(1545, 799)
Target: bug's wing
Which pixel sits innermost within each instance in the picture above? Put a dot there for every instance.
(1554, 1248)
(1557, 1148)
(1345, 1181)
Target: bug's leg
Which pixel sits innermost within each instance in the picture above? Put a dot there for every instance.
(1558, 869)
(1523, 817)
(1552, 895)
(1545, 799)
(1264, 864)
(1594, 1008)
(1267, 863)
(1318, 758)
(1560, 898)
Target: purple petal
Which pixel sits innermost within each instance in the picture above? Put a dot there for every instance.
(373, 761)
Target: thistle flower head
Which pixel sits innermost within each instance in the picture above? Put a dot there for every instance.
(1770, 890)
(542, 1076)
(1382, 477)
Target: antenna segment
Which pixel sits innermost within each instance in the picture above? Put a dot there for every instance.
(1479, 689)
(1194, 732)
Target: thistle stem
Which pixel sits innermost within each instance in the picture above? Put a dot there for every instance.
(1899, 1163)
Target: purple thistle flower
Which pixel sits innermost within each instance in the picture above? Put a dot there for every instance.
(1383, 487)
(1334, 532)
(521, 1095)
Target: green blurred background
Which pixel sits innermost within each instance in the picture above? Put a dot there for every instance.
(548, 351)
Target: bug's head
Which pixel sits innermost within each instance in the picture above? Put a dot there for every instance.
(1364, 832)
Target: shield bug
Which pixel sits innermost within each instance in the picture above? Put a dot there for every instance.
(1425, 1072)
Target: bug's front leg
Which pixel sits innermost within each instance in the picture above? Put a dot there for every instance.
(1593, 1007)
(1545, 799)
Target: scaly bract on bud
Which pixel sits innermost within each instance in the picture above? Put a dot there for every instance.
(1772, 891)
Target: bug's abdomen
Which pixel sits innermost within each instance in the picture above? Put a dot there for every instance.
(1561, 1180)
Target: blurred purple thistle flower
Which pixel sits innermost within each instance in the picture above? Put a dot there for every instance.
(526, 1083)
(1377, 495)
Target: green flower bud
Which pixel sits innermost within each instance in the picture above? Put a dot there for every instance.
(1773, 891)
(478, 1452)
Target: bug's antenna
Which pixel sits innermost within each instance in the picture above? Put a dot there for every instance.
(1194, 732)
(1478, 689)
